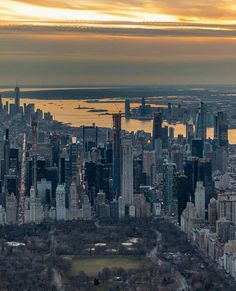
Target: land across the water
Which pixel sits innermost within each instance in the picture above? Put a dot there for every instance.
(200, 91)
(98, 104)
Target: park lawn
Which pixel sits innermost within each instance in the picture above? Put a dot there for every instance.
(103, 287)
(92, 265)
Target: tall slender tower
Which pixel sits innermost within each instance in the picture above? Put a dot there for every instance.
(201, 126)
(169, 185)
(157, 127)
(1, 106)
(17, 99)
(116, 166)
(21, 209)
(6, 153)
(127, 108)
(34, 155)
(221, 129)
(127, 176)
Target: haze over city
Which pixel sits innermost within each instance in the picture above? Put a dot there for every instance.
(117, 42)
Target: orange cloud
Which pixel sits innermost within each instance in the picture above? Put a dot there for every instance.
(196, 11)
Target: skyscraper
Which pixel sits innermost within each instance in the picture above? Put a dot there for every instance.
(169, 112)
(177, 157)
(60, 203)
(11, 208)
(197, 147)
(17, 100)
(143, 107)
(221, 129)
(201, 125)
(171, 133)
(191, 171)
(205, 175)
(6, 153)
(36, 208)
(200, 200)
(11, 184)
(73, 199)
(90, 137)
(74, 158)
(73, 196)
(212, 212)
(127, 183)
(149, 159)
(182, 193)
(34, 155)
(127, 108)
(205, 171)
(121, 207)
(55, 142)
(189, 131)
(86, 208)
(169, 185)
(157, 127)
(165, 137)
(1, 106)
(116, 166)
(14, 160)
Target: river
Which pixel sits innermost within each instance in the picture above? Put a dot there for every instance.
(66, 111)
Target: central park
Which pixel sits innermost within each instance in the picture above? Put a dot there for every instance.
(134, 254)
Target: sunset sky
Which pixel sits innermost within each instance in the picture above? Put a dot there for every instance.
(124, 42)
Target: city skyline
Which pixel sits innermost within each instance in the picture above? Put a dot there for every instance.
(117, 145)
(117, 43)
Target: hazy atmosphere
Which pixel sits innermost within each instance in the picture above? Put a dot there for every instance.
(109, 42)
